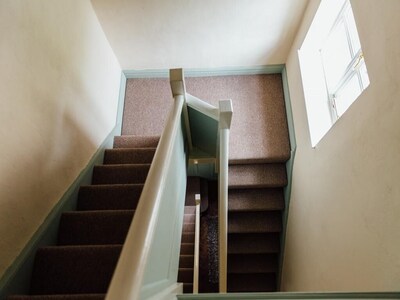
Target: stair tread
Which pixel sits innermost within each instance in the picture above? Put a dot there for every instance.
(257, 175)
(256, 199)
(109, 196)
(94, 227)
(134, 141)
(129, 156)
(74, 269)
(253, 222)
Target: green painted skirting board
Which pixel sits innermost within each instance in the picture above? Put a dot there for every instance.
(264, 296)
(164, 73)
(289, 171)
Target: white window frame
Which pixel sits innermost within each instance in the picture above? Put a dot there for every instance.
(352, 69)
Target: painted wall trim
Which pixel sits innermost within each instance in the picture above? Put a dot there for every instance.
(121, 104)
(164, 73)
(289, 172)
(319, 295)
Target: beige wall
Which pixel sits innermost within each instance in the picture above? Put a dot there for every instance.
(59, 83)
(344, 222)
(155, 34)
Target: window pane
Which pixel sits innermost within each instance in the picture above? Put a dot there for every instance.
(347, 94)
(364, 75)
(351, 23)
(336, 55)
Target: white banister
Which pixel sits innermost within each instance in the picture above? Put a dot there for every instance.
(128, 276)
(225, 118)
(196, 246)
(178, 87)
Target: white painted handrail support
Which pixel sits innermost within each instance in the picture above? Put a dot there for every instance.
(196, 246)
(128, 276)
(225, 118)
(178, 87)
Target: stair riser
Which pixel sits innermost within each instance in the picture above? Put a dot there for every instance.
(120, 174)
(128, 156)
(74, 270)
(254, 222)
(94, 228)
(187, 249)
(109, 197)
(185, 275)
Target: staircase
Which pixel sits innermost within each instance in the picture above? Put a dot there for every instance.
(90, 239)
(255, 204)
(186, 259)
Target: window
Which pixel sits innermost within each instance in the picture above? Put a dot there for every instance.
(332, 65)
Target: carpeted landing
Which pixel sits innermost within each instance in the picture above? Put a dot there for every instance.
(90, 239)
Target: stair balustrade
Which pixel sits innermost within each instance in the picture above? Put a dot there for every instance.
(195, 132)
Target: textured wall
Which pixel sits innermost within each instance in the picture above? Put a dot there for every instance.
(59, 82)
(156, 34)
(344, 221)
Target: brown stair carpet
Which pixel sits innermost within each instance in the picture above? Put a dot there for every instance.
(259, 131)
(255, 205)
(90, 239)
(186, 259)
(259, 149)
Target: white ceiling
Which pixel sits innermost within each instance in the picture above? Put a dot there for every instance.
(154, 34)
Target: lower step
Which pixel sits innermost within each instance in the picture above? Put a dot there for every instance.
(185, 275)
(252, 282)
(188, 288)
(74, 269)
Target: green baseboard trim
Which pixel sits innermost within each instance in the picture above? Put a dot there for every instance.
(121, 104)
(319, 295)
(16, 279)
(289, 171)
(227, 71)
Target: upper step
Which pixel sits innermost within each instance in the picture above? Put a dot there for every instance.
(120, 174)
(109, 196)
(133, 141)
(101, 227)
(257, 176)
(74, 269)
(129, 156)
